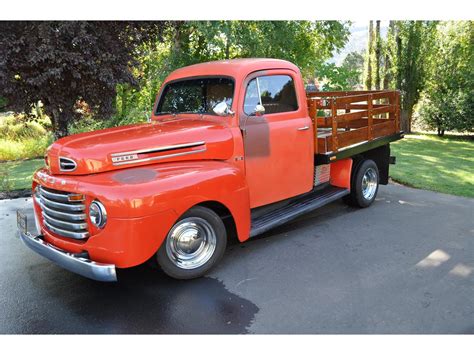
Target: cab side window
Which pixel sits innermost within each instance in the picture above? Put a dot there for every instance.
(275, 92)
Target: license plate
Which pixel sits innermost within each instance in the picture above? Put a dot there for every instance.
(21, 221)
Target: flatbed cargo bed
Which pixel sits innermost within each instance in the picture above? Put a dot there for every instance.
(345, 119)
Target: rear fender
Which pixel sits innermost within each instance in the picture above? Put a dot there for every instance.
(341, 173)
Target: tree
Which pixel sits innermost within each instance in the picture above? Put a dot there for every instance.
(411, 47)
(347, 76)
(448, 101)
(305, 43)
(69, 66)
(354, 62)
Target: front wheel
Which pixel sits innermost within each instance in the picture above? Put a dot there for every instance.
(365, 184)
(193, 245)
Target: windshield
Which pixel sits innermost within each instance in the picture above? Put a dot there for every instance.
(195, 95)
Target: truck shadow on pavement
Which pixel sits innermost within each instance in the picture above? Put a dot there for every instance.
(144, 301)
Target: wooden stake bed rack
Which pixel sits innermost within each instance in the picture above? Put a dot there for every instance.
(344, 118)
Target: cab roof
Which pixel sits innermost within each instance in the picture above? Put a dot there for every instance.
(237, 68)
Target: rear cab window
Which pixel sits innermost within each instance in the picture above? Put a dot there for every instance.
(276, 93)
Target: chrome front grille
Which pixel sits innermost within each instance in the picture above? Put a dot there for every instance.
(60, 215)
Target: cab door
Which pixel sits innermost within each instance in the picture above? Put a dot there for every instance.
(278, 142)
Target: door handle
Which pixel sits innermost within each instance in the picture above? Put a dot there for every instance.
(305, 128)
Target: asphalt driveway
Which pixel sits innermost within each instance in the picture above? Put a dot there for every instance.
(404, 265)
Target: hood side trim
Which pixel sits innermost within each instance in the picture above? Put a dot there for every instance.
(160, 157)
(159, 149)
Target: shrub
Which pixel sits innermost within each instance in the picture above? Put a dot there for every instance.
(26, 149)
(18, 127)
(23, 138)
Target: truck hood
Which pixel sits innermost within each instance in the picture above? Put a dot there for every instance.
(140, 144)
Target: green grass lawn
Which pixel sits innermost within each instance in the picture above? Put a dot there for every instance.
(16, 175)
(433, 163)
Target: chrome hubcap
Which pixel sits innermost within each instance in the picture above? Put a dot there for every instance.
(369, 184)
(191, 243)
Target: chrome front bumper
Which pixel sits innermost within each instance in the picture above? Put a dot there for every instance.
(73, 262)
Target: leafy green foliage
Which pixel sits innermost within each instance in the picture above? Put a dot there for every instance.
(354, 62)
(410, 49)
(22, 138)
(307, 44)
(72, 67)
(448, 102)
(19, 127)
(25, 149)
(304, 43)
(3, 103)
(347, 76)
(96, 69)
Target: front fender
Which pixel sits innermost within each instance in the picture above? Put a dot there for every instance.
(143, 204)
(179, 187)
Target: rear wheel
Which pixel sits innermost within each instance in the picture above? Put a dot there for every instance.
(193, 245)
(364, 184)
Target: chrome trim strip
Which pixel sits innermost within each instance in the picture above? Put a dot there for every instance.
(65, 233)
(52, 195)
(160, 157)
(305, 128)
(79, 265)
(63, 224)
(59, 214)
(159, 149)
(69, 161)
(67, 207)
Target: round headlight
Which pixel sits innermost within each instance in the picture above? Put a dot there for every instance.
(97, 214)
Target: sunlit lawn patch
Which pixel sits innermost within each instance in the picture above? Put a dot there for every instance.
(440, 164)
(16, 175)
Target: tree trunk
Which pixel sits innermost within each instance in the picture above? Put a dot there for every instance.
(387, 72)
(387, 76)
(378, 54)
(439, 127)
(227, 48)
(60, 124)
(124, 101)
(405, 119)
(398, 40)
(368, 74)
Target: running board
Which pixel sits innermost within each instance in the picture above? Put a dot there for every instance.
(297, 207)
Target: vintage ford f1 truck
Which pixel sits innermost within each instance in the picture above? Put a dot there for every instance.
(232, 149)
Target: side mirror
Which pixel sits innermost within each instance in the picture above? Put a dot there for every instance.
(259, 110)
(221, 109)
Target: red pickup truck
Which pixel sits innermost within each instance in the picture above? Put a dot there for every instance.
(232, 149)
